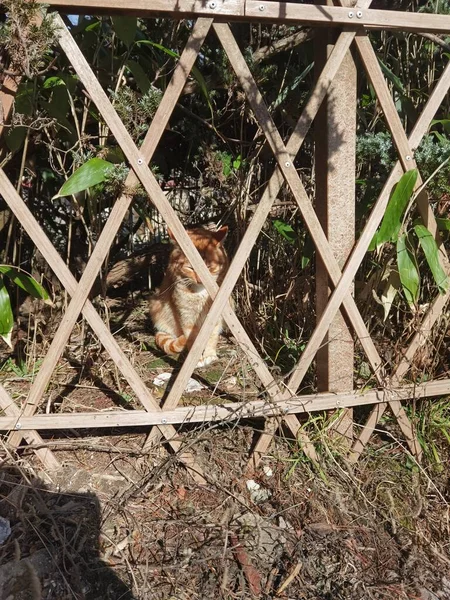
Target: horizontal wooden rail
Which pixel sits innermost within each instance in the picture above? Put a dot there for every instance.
(224, 412)
(262, 10)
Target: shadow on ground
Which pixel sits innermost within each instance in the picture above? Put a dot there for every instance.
(53, 548)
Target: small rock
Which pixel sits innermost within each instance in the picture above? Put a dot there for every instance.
(258, 494)
(5, 530)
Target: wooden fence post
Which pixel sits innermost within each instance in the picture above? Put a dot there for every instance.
(335, 204)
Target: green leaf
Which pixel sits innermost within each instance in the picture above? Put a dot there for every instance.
(398, 85)
(26, 282)
(390, 291)
(141, 77)
(431, 251)
(125, 28)
(392, 220)
(443, 224)
(308, 252)
(15, 138)
(237, 162)
(226, 164)
(6, 314)
(52, 82)
(407, 269)
(91, 173)
(285, 230)
(444, 122)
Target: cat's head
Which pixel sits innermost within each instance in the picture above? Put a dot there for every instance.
(210, 248)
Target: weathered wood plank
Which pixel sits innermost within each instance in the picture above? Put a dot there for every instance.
(335, 162)
(226, 412)
(340, 16)
(263, 10)
(178, 9)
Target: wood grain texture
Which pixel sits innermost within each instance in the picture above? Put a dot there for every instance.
(335, 163)
(228, 412)
(263, 10)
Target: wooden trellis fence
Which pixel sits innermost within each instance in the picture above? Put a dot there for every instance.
(282, 403)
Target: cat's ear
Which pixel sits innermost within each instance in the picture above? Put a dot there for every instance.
(220, 234)
(172, 237)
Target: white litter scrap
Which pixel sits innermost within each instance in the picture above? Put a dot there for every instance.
(267, 471)
(257, 493)
(193, 386)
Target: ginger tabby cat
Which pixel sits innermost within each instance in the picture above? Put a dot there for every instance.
(180, 306)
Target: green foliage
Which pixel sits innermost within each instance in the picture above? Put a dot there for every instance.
(391, 230)
(375, 147)
(430, 155)
(437, 6)
(24, 281)
(285, 230)
(26, 42)
(137, 111)
(400, 197)
(408, 270)
(431, 251)
(91, 173)
(125, 28)
(230, 165)
(6, 314)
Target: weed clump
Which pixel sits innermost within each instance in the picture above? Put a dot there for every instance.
(27, 35)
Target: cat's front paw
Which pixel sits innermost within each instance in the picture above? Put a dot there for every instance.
(207, 360)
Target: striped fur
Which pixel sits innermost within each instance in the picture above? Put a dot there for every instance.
(170, 344)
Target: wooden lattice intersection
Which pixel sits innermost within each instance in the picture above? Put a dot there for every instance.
(282, 403)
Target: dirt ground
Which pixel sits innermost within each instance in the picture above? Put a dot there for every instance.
(116, 523)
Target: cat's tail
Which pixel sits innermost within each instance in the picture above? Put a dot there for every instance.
(169, 344)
